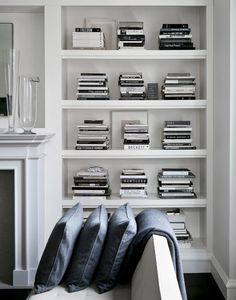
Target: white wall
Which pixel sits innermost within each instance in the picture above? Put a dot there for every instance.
(221, 132)
(29, 39)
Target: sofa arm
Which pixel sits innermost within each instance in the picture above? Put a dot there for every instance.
(154, 277)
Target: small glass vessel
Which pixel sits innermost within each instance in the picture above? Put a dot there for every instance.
(28, 90)
(11, 59)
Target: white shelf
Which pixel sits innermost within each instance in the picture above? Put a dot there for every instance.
(127, 154)
(151, 202)
(134, 104)
(197, 251)
(133, 54)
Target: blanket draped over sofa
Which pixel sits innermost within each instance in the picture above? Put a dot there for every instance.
(150, 222)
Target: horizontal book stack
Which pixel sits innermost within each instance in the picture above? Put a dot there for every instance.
(131, 86)
(133, 183)
(130, 35)
(88, 38)
(92, 86)
(93, 135)
(175, 183)
(175, 37)
(177, 135)
(92, 183)
(136, 137)
(177, 221)
(179, 86)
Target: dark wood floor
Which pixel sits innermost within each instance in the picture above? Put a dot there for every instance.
(199, 287)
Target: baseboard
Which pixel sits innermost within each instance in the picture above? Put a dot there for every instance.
(24, 278)
(226, 285)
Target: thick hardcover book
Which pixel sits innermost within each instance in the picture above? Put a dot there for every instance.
(85, 29)
(175, 26)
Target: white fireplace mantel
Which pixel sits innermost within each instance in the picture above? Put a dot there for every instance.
(24, 154)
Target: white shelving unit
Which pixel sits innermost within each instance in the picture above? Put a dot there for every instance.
(154, 64)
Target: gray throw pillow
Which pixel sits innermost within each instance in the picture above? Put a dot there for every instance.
(87, 251)
(58, 250)
(121, 231)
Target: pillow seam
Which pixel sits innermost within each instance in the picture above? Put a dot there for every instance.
(49, 277)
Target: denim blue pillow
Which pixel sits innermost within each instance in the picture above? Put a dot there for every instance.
(121, 231)
(87, 251)
(58, 250)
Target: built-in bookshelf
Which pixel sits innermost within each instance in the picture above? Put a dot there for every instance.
(154, 65)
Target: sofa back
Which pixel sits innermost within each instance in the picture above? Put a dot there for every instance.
(154, 277)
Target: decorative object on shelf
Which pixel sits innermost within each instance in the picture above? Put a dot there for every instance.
(88, 38)
(179, 86)
(175, 37)
(175, 183)
(133, 183)
(92, 86)
(93, 135)
(11, 59)
(130, 35)
(108, 27)
(28, 102)
(152, 91)
(119, 119)
(177, 135)
(92, 183)
(131, 86)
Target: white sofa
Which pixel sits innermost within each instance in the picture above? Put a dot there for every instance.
(153, 279)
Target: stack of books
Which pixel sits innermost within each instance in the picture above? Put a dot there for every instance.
(133, 183)
(93, 135)
(131, 86)
(177, 135)
(92, 86)
(175, 183)
(177, 221)
(136, 137)
(92, 183)
(179, 86)
(130, 35)
(175, 37)
(88, 38)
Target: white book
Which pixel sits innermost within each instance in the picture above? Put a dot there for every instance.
(130, 31)
(174, 141)
(136, 147)
(92, 198)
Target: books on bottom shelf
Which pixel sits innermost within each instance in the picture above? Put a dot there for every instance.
(91, 183)
(133, 183)
(177, 221)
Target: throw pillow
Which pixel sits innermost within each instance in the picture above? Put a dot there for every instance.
(121, 230)
(58, 250)
(87, 251)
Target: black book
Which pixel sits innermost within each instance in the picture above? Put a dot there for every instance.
(85, 29)
(175, 26)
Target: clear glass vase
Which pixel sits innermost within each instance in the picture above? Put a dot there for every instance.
(11, 60)
(28, 102)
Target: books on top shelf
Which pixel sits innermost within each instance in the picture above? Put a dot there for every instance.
(133, 183)
(177, 221)
(92, 86)
(88, 38)
(179, 86)
(175, 183)
(175, 37)
(91, 183)
(131, 86)
(136, 136)
(177, 135)
(130, 35)
(93, 135)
